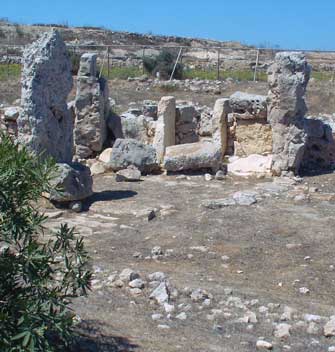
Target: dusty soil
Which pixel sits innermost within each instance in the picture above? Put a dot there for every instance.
(263, 252)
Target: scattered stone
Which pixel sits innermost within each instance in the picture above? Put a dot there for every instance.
(218, 203)
(181, 316)
(130, 174)
(128, 275)
(106, 155)
(208, 177)
(220, 175)
(244, 198)
(263, 345)
(157, 276)
(282, 331)
(329, 328)
(137, 283)
(161, 294)
(156, 316)
(200, 295)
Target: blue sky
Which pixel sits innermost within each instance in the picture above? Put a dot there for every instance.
(299, 24)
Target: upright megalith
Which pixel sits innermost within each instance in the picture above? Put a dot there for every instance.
(45, 124)
(288, 79)
(91, 109)
(165, 134)
(220, 125)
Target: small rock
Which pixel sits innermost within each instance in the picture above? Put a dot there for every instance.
(304, 290)
(181, 316)
(76, 206)
(131, 174)
(282, 331)
(220, 175)
(329, 328)
(263, 345)
(156, 316)
(128, 275)
(244, 198)
(157, 276)
(208, 177)
(156, 251)
(161, 293)
(137, 283)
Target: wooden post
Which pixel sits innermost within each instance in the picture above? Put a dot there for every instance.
(256, 66)
(218, 73)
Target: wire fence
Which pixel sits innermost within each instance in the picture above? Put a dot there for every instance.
(212, 63)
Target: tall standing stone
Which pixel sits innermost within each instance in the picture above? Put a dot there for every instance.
(45, 124)
(91, 109)
(288, 79)
(165, 134)
(220, 125)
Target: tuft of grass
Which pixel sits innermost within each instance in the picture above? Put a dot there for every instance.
(9, 71)
(121, 72)
(240, 75)
(322, 75)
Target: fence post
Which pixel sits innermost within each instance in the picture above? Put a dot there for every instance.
(256, 66)
(218, 73)
(175, 65)
(108, 63)
(143, 54)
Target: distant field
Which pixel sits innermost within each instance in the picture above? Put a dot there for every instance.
(11, 71)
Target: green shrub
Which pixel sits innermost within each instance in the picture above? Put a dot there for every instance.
(39, 276)
(75, 62)
(164, 64)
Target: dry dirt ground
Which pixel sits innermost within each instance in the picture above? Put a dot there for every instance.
(252, 261)
(320, 94)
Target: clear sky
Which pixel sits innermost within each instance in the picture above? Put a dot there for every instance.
(292, 24)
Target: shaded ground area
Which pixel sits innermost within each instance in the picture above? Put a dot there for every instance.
(250, 259)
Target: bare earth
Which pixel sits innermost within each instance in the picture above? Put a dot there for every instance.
(246, 257)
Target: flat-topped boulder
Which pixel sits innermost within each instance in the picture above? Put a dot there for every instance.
(192, 156)
(128, 152)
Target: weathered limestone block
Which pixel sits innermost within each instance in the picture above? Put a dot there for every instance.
(192, 156)
(186, 124)
(252, 137)
(248, 106)
(45, 124)
(204, 128)
(288, 79)
(128, 152)
(91, 109)
(74, 182)
(252, 165)
(165, 134)
(220, 125)
(320, 145)
(141, 128)
(150, 109)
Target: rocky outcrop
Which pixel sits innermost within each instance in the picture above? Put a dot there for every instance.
(128, 152)
(91, 109)
(165, 134)
(288, 79)
(45, 124)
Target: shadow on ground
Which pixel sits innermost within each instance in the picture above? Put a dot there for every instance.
(107, 196)
(91, 339)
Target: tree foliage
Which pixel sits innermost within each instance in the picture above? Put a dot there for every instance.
(39, 273)
(164, 64)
